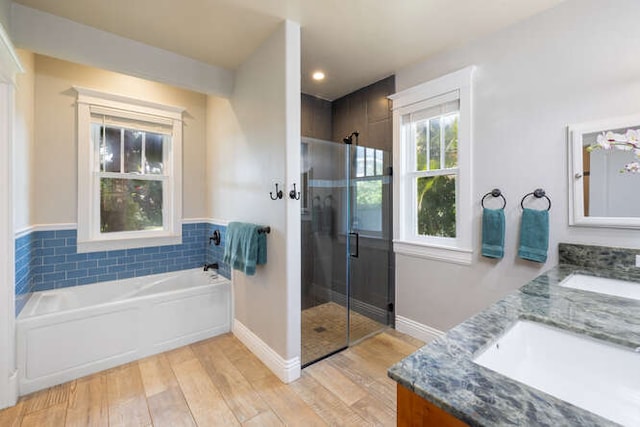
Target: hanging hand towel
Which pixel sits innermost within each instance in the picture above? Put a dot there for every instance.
(245, 247)
(534, 235)
(493, 233)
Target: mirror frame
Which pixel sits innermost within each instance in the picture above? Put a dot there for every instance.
(575, 134)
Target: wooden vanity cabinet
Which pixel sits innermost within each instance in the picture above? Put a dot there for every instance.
(415, 411)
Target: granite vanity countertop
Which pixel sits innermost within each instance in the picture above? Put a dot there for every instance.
(443, 372)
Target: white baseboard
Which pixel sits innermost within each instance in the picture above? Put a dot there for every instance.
(286, 370)
(417, 330)
(9, 397)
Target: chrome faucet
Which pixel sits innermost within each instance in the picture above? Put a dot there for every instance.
(213, 265)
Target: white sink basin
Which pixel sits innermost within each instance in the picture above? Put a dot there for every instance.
(600, 377)
(603, 285)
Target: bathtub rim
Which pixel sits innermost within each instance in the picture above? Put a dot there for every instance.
(27, 308)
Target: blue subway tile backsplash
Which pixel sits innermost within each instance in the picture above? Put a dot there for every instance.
(24, 253)
(49, 260)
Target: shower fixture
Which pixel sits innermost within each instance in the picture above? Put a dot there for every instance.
(349, 139)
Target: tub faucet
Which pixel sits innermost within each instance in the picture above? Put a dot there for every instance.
(213, 265)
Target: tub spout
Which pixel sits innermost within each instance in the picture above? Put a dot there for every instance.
(213, 265)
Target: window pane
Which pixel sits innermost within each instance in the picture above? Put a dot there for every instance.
(421, 145)
(109, 149)
(437, 206)
(434, 144)
(130, 205)
(359, 161)
(369, 205)
(451, 140)
(370, 162)
(379, 162)
(153, 153)
(132, 151)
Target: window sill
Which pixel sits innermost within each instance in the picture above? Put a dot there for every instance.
(439, 253)
(119, 244)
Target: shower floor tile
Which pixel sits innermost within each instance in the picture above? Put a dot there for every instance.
(324, 329)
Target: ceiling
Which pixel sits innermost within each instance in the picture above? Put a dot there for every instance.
(355, 42)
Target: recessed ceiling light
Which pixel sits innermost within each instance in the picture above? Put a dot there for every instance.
(318, 75)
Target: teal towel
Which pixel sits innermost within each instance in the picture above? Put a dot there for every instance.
(245, 247)
(534, 235)
(262, 249)
(493, 233)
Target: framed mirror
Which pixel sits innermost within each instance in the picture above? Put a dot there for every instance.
(604, 182)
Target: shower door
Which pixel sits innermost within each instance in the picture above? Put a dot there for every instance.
(346, 250)
(370, 263)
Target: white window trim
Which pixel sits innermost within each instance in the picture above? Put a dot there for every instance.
(457, 250)
(88, 240)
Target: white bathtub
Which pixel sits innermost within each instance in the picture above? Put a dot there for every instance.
(68, 333)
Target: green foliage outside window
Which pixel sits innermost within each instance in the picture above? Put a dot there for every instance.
(437, 206)
(130, 205)
(369, 193)
(436, 195)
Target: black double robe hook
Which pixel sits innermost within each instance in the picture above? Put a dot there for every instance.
(293, 194)
(279, 194)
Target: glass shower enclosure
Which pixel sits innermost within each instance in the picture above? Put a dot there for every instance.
(347, 262)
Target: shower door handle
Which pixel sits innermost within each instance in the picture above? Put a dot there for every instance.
(357, 236)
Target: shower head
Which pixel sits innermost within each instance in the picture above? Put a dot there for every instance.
(349, 139)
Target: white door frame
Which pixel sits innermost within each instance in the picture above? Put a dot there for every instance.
(9, 67)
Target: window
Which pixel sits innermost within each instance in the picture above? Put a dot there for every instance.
(129, 172)
(369, 190)
(432, 143)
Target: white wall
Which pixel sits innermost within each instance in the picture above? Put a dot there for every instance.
(575, 63)
(293, 132)
(9, 67)
(23, 190)
(8, 386)
(51, 35)
(251, 138)
(55, 154)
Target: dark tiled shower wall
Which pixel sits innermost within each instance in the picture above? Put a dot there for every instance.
(367, 110)
(316, 118)
(49, 259)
